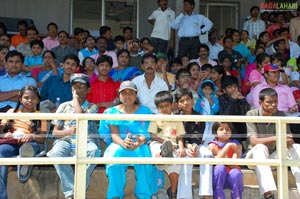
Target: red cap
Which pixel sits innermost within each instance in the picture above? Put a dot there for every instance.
(272, 67)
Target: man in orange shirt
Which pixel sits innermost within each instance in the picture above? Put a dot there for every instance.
(21, 37)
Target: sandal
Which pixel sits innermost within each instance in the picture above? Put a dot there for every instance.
(171, 194)
(24, 171)
(167, 149)
(271, 196)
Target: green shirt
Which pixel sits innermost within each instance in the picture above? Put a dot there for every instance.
(262, 130)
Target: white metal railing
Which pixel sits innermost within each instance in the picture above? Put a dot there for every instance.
(80, 160)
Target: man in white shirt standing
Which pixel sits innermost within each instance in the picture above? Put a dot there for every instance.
(162, 34)
(148, 84)
(254, 25)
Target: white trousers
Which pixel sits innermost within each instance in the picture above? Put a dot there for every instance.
(184, 189)
(264, 174)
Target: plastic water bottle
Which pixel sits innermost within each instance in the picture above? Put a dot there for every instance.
(57, 102)
(130, 137)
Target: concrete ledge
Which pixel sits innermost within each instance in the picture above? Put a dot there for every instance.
(45, 184)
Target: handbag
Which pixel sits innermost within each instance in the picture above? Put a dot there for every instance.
(9, 141)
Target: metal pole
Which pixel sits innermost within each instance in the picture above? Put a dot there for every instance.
(103, 13)
(71, 16)
(138, 18)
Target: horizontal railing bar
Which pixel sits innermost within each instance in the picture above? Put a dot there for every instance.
(194, 161)
(37, 161)
(79, 162)
(150, 117)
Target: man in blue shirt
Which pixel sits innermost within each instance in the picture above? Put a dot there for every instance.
(190, 25)
(59, 86)
(12, 82)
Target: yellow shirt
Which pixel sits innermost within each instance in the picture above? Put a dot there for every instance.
(167, 130)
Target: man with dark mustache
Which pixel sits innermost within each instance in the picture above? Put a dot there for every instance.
(148, 84)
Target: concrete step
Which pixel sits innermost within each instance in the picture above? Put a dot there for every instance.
(44, 184)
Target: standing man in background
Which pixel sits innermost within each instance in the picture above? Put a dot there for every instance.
(105, 31)
(190, 25)
(162, 34)
(254, 25)
(295, 26)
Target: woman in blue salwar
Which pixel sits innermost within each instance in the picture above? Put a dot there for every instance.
(123, 71)
(128, 139)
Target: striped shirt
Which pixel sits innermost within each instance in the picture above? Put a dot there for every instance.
(254, 27)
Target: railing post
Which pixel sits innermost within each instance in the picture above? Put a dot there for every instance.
(80, 168)
(282, 170)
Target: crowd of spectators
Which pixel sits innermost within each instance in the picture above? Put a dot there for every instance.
(251, 71)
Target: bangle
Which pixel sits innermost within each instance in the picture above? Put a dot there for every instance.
(75, 96)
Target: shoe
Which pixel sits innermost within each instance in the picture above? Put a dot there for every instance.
(271, 196)
(167, 149)
(24, 171)
(161, 194)
(171, 194)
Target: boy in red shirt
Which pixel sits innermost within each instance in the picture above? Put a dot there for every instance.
(103, 90)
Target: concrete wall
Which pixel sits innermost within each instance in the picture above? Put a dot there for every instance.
(41, 11)
(44, 11)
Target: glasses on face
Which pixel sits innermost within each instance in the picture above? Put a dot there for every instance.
(149, 63)
(90, 41)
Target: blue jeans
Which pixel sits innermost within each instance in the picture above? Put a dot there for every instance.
(6, 151)
(62, 148)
